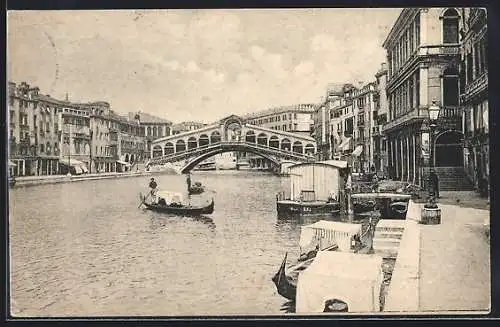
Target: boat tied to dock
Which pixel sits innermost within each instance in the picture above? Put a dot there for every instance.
(315, 189)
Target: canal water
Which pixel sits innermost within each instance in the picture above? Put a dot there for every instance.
(86, 249)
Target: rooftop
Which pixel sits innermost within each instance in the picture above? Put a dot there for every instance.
(147, 118)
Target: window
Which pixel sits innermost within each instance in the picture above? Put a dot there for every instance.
(417, 31)
(47, 127)
(295, 115)
(42, 148)
(450, 26)
(450, 87)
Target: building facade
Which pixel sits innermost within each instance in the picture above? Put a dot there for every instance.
(423, 55)
(474, 96)
(381, 162)
(297, 118)
(154, 128)
(48, 136)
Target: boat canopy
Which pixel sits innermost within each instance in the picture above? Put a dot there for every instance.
(321, 177)
(326, 233)
(353, 278)
(170, 196)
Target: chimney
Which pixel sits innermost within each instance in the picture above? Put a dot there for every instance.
(384, 66)
(67, 97)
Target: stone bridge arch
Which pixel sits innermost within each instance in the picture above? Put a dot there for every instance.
(192, 163)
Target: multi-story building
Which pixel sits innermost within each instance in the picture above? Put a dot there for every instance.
(350, 112)
(423, 55)
(364, 111)
(186, 126)
(474, 95)
(379, 119)
(154, 128)
(326, 122)
(295, 118)
(49, 136)
(40, 138)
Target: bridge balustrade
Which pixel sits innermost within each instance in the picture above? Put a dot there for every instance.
(285, 154)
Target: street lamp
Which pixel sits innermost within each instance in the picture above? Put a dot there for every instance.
(434, 110)
(431, 214)
(433, 117)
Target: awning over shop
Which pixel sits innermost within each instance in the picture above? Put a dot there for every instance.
(345, 144)
(11, 164)
(71, 162)
(357, 151)
(124, 163)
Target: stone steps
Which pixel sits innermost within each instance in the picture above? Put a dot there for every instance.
(453, 179)
(388, 234)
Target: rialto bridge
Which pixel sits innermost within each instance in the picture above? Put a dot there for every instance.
(231, 134)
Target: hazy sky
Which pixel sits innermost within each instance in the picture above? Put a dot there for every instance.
(196, 64)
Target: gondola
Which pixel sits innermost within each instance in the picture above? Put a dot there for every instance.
(178, 209)
(363, 206)
(286, 278)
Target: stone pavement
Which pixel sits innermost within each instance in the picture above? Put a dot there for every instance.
(455, 262)
(444, 267)
(466, 199)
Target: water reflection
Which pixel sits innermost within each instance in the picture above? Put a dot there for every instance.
(162, 222)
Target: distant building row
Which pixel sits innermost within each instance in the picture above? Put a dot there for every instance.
(48, 136)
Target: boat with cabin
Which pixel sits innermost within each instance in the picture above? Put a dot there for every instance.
(172, 202)
(320, 236)
(315, 189)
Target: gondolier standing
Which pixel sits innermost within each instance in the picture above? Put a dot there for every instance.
(153, 186)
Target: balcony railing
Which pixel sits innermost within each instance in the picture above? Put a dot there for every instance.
(76, 129)
(451, 49)
(476, 85)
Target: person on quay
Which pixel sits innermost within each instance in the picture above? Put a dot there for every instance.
(154, 190)
(435, 183)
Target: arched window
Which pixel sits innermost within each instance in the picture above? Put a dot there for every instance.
(192, 143)
(450, 87)
(169, 148)
(215, 137)
(180, 146)
(450, 26)
(157, 151)
(203, 140)
(149, 131)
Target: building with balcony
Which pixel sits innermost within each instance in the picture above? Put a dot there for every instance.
(48, 136)
(380, 158)
(474, 96)
(38, 134)
(423, 64)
